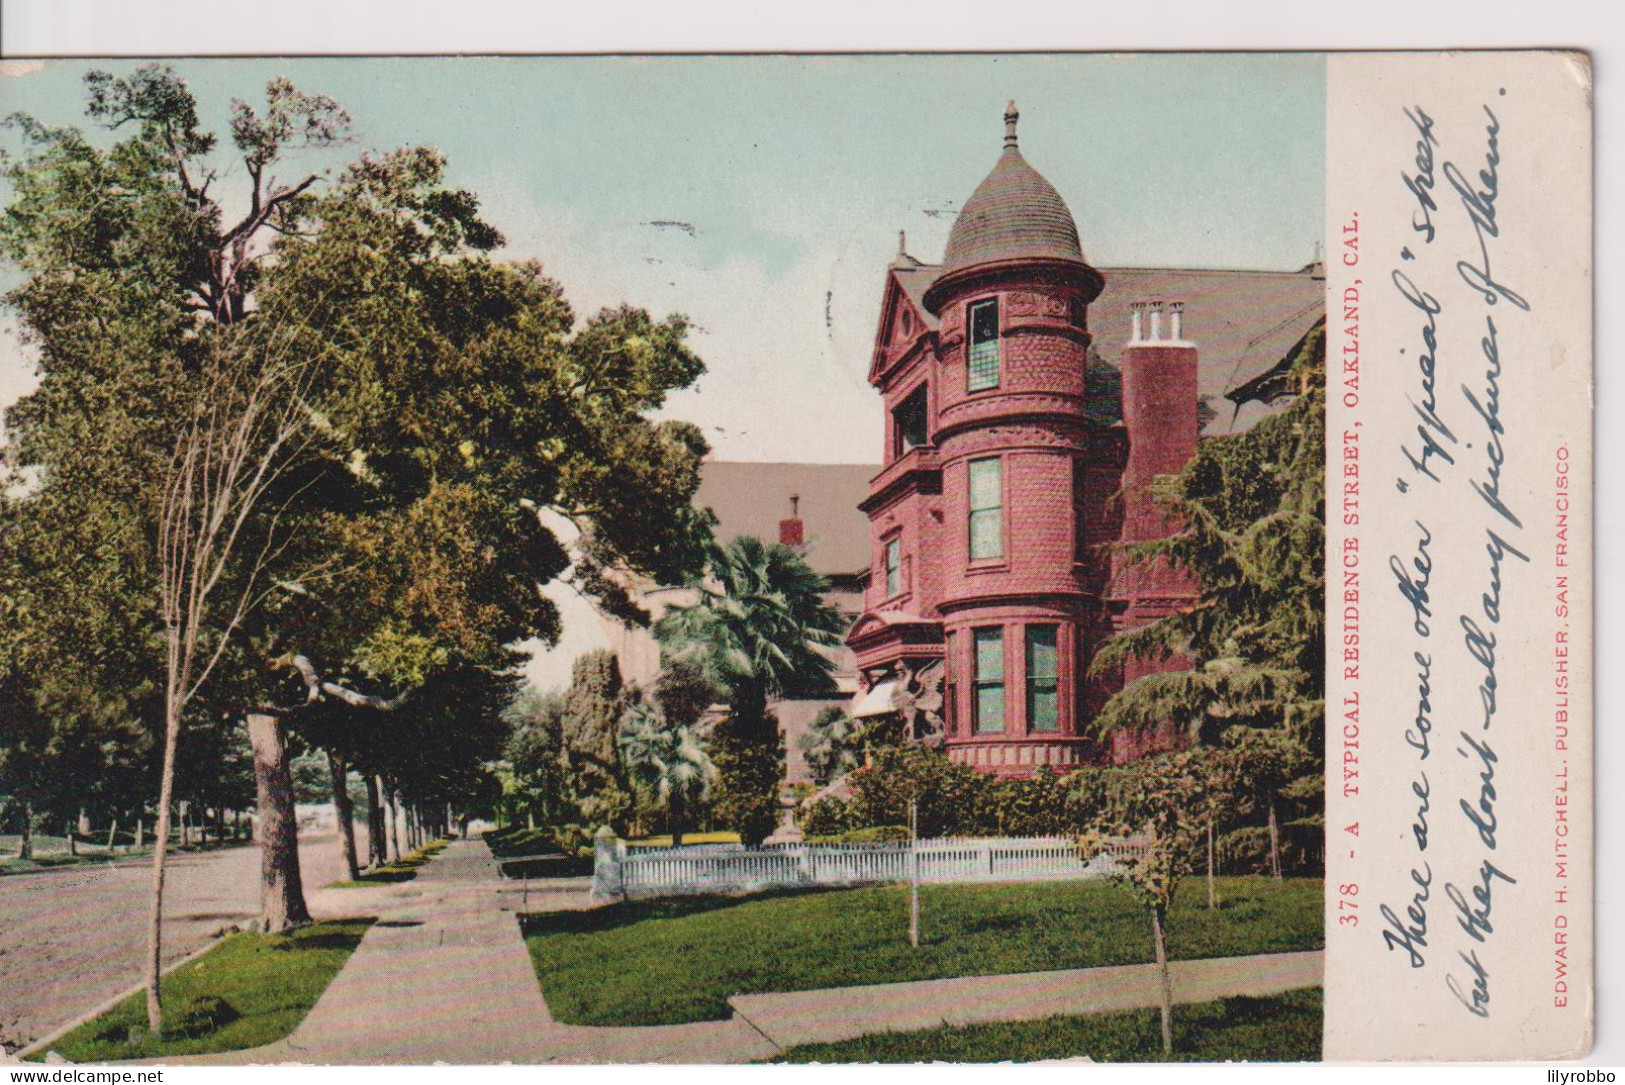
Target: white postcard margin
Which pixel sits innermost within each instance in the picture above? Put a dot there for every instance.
(1459, 826)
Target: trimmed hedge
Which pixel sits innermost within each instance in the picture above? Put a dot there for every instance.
(957, 800)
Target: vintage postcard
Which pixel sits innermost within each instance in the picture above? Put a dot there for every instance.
(838, 559)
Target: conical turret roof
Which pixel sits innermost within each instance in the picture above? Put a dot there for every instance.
(1014, 214)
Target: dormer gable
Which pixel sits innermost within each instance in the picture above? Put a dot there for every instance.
(905, 324)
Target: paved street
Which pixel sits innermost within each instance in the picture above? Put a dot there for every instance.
(73, 938)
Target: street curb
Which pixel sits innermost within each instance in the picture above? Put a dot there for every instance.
(44, 1042)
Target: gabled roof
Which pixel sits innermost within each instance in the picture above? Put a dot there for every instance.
(906, 280)
(751, 499)
(1242, 322)
(914, 282)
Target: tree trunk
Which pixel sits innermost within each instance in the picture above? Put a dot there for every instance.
(140, 832)
(1275, 844)
(73, 839)
(375, 824)
(282, 892)
(112, 834)
(160, 847)
(1167, 983)
(395, 823)
(1212, 893)
(25, 849)
(344, 810)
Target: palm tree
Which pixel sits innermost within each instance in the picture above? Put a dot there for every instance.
(666, 763)
(756, 634)
(833, 745)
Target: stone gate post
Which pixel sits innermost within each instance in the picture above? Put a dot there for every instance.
(607, 887)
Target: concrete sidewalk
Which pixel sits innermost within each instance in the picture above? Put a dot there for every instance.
(445, 976)
(792, 1018)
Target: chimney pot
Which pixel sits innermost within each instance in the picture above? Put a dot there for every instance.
(791, 531)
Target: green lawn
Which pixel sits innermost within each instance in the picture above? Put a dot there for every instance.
(248, 991)
(1282, 1028)
(517, 840)
(666, 961)
(402, 870)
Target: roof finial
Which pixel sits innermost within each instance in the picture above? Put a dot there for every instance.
(902, 243)
(1010, 118)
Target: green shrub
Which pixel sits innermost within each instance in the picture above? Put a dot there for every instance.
(1034, 806)
(954, 800)
(829, 817)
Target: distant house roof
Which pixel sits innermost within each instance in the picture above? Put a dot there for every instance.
(751, 499)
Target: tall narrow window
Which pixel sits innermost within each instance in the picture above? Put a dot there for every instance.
(989, 680)
(1043, 705)
(986, 509)
(909, 422)
(894, 568)
(983, 372)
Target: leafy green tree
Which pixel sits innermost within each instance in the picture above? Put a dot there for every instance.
(759, 630)
(589, 736)
(535, 754)
(685, 692)
(456, 399)
(1263, 763)
(666, 764)
(1161, 802)
(1254, 506)
(833, 745)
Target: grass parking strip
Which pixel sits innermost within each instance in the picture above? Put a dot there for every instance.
(1281, 1028)
(250, 990)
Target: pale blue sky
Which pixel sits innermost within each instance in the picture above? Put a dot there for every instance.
(796, 174)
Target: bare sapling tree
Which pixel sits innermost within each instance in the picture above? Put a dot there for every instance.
(220, 533)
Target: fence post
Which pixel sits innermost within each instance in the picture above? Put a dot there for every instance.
(914, 874)
(607, 886)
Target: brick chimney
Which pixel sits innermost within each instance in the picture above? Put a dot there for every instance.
(791, 531)
(1159, 410)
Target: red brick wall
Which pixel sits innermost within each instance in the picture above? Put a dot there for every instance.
(1033, 421)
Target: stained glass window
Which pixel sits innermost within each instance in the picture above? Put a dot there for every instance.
(983, 370)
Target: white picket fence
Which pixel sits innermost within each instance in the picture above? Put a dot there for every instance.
(620, 872)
